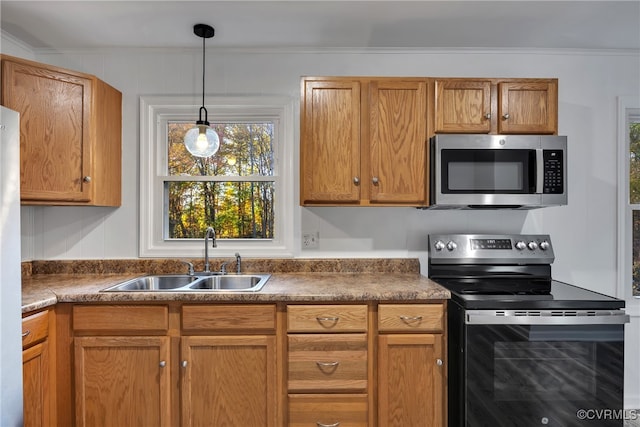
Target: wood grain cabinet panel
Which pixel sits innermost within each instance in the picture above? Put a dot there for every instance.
(70, 134)
(410, 318)
(330, 141)
(327, 363)
(325, 410)
(327, 318)
(496, 106)
(37, 374)
(462, 106)
(122, 381)
(363, 141)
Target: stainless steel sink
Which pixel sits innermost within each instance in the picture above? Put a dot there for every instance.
(186, 283)
(231, 282)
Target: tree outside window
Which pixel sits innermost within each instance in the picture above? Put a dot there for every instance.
(634, 197)
(232, 191)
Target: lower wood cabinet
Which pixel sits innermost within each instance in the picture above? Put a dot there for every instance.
(121, 381)
(411, 376)
(188, 365)
(37, 379)
(182, 364)
(328, 410)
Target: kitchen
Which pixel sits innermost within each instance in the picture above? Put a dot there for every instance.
(591, 77)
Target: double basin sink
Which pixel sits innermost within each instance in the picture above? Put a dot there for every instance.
(186, 283)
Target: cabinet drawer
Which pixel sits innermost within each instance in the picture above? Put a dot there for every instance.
(35, 328)
(121, 319)
(237, 317)
(322, 410)
(410, 317)
(327, 362)
(327, 318)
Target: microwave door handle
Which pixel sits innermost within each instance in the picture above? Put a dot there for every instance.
(539, 170)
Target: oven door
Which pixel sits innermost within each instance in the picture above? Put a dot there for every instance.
(543, 369)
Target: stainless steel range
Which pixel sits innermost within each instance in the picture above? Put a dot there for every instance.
(524, 349)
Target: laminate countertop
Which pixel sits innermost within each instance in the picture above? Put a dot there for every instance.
(43, 290)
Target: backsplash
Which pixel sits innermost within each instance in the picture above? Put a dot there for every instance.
(254, 265)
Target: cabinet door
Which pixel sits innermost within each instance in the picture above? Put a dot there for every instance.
(398, 147)
(229, 381)
(35, 379)
(410, 380)
(54, 109)
(463, 106)
(330, 142)
(122, 381)
(528, 107)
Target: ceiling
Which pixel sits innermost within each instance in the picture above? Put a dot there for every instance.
(69, 25)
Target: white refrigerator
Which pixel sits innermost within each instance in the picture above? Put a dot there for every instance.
(10, 271)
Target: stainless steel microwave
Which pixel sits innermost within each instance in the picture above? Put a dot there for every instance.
(497, 171)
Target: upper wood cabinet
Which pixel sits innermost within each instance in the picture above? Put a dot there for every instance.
(497, 106)
(70, 134)
(363, 141)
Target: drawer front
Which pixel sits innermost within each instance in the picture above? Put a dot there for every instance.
(237, 317)
(327, 318)
(121, 319)
(327, 362)
(322, 410)
(410, 317)
(35, 328)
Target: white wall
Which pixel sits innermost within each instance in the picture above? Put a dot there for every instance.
(583, 233)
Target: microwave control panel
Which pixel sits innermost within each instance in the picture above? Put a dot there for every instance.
(553, 172)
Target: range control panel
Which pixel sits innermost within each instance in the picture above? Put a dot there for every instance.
(493, 249)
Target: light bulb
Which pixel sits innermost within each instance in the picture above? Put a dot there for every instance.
(202, 141)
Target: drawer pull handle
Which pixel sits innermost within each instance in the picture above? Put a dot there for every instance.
(327, 319)
(319, 424)
(26, 333)
(327, 364)
(408, 319)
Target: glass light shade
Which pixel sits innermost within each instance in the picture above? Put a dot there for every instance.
(202, 141)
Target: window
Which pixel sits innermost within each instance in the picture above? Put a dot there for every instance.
(629, 141)
(244, 191)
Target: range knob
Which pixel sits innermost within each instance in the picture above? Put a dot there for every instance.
(544, 245)
(439, 245)
(451, 245)
(532, 246)
(520, 245)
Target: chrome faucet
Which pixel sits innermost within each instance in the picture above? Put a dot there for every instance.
(209, 233)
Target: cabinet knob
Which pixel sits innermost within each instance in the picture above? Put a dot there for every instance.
(184, 364)
(439, 362)
(356, 180)
(87, 179)
(505, 116)
(375, 180)
(487, 116)
(163, 363)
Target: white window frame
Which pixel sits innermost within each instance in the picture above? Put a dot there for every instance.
(626, 105)
(155, 112)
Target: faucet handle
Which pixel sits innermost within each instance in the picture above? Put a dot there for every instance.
(223, 267)
(191, 271)
(238, 263)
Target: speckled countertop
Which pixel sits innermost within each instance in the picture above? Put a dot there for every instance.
(47, 283)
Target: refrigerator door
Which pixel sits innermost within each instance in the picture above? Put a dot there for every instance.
(10, 271)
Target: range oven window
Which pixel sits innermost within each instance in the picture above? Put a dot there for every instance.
(532, 375)
(488, 171)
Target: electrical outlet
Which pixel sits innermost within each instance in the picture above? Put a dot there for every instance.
(310, 240)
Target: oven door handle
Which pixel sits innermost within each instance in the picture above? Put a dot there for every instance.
(500, 317)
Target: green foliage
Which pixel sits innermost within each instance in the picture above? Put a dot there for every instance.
(235, 207)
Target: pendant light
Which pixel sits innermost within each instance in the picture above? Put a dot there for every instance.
(202, 140)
